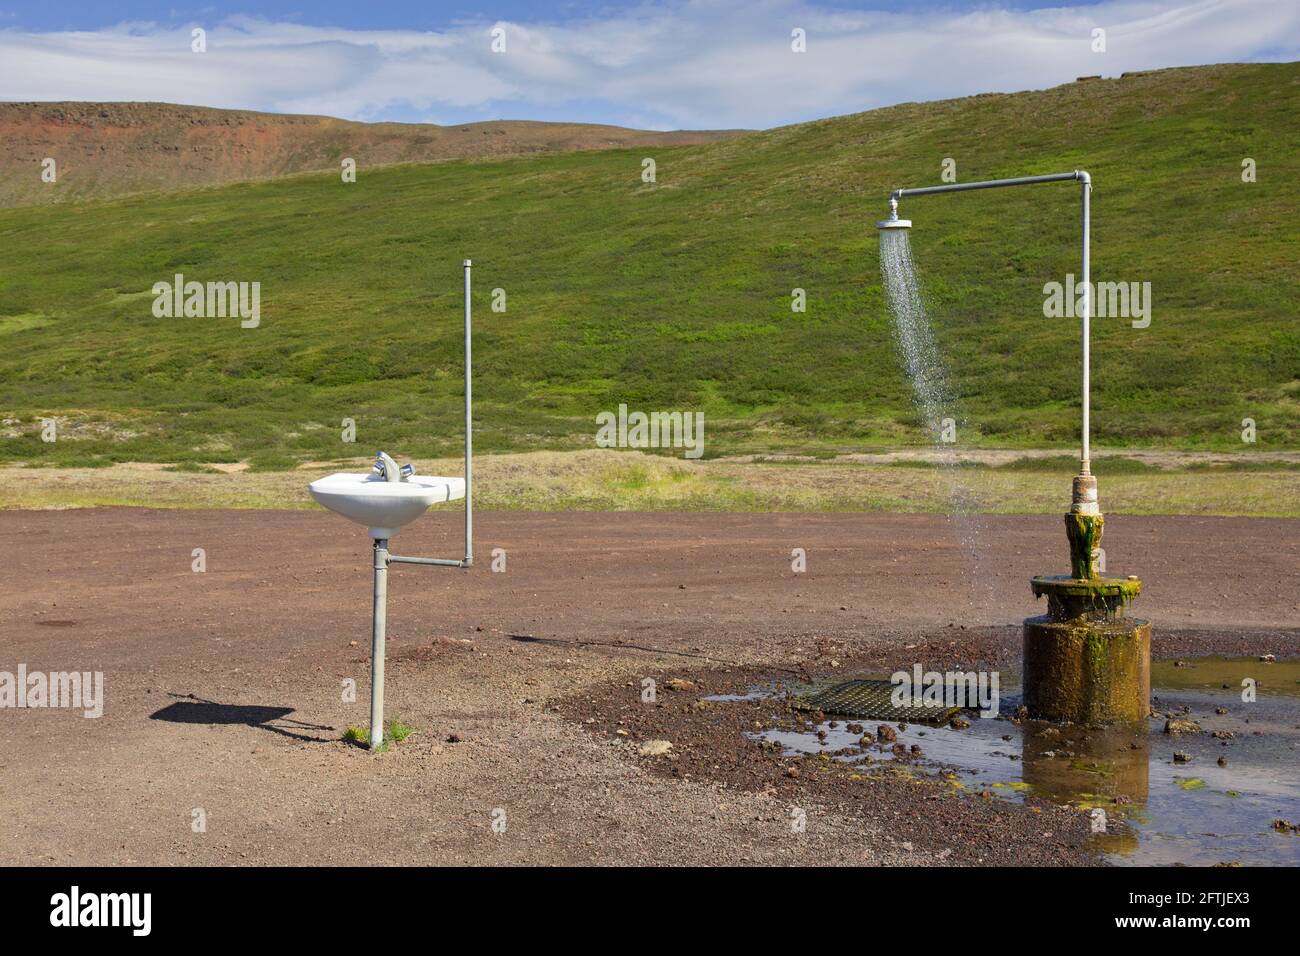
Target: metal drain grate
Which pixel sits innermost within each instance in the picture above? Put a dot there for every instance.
(870, 699)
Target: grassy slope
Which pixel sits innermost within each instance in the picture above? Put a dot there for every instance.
(676, 295)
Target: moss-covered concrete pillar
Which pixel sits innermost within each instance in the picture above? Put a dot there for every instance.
(1085, 660)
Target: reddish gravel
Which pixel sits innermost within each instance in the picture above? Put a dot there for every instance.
(224, 689)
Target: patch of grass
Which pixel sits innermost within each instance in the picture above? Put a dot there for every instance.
(398, 731)
(194, 468)
(271, 461)
(394, 732)
(1190, 783)
(1068, 464)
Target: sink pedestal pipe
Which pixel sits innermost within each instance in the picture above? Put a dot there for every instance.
(1084, 661)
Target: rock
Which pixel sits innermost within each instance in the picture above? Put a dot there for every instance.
(1050, 732)
(1022, 713)
(1223, 735)
(1220, 710)
(916, 749)
(680, 684)
(866, 740)
(959, 723)
(886, 734)
(1222, 761)
(1267, 658)
(854, 728)
(655, 748)
(1182, 757)
(1181, 725)
(899, 750)
(792, 773)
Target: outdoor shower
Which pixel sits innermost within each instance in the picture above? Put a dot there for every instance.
(1084, 661)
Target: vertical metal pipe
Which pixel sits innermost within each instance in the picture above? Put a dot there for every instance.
(379, 621)
(469, 435)
(1085, 464)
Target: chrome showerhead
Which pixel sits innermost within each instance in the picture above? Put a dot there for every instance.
(893, 222)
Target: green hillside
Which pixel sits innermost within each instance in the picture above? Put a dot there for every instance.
(676, 295)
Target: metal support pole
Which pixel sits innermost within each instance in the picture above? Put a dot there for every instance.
(1085, 464)
(379, 622)
(469, 434)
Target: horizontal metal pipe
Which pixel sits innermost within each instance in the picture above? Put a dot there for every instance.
(988, 184)
(440, 562)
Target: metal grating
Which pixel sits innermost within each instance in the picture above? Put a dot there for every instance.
(870, 699)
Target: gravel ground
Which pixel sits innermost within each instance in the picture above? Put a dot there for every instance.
(224, 689)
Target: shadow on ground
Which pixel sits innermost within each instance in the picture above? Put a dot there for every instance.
(194, 710)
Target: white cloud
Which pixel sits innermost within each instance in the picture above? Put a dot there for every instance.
(687, 64)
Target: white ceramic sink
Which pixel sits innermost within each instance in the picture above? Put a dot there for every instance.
(382, 505)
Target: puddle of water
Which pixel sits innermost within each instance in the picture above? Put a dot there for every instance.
(1158, 812)
(1227, 673)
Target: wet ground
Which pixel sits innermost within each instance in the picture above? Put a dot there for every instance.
(1218, 801)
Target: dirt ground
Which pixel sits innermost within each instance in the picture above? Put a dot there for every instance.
(224, 688)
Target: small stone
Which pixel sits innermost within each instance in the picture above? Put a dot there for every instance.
(916, 749)
(854, 728)
(1222, 761)
(655, 748)
(866, 740)
(959, 723)
(792, 773)
(1182, 756)
(1267, 658)
(1181, 725)
(681, 684)
(1220, 711)
(886, 734)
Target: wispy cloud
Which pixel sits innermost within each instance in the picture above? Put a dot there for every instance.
(680, 64)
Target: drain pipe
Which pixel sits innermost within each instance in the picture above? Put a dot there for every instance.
(1084, 498)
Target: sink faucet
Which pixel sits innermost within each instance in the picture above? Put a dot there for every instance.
(387, 469)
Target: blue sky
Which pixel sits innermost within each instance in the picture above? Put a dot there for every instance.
(655, 64)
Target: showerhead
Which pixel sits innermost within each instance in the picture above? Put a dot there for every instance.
(893, 222)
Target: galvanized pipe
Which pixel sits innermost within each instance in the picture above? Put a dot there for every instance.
(987, 184)
(440, 562)
(469, 440)
(378, 624)
(1085, 452)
